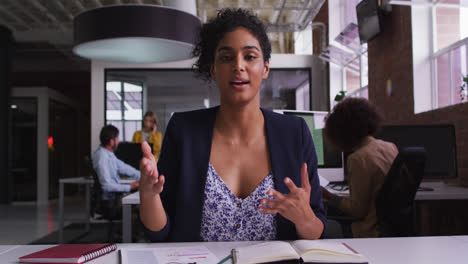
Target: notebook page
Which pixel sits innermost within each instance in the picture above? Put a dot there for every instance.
(137, 256)
(316, 250)
(265, 252)
(163, 255)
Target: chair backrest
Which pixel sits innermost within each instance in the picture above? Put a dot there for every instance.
(96, 193)
(395, 200)
(108, 209)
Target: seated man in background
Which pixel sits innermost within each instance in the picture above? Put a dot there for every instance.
(108, 167)
(350, 128)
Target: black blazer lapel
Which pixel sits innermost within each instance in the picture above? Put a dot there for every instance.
(199, 154)
(283, 160)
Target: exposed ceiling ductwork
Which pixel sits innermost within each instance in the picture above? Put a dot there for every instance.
(52, 20)
(40, 25)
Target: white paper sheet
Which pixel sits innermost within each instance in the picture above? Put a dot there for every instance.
(180, 255)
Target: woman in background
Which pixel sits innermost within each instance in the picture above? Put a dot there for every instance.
(350, 127)
(149, 133)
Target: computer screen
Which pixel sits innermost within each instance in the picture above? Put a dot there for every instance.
(368, 16)
(330, 161)
(130, 153)
(438, 140)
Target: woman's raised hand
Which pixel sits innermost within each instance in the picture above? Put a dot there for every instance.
(151, 182)
(294, 206)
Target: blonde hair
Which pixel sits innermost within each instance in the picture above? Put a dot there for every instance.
(153, 117)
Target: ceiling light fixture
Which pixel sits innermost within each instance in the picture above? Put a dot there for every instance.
(135, 34)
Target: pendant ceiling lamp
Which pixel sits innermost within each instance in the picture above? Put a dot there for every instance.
(135, 34)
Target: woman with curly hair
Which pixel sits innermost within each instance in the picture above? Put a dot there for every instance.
(235, 171)
(350, 127)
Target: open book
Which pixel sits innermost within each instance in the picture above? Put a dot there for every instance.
(307, 251)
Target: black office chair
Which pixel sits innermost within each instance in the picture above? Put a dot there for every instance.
(395, 199)
(109, 210)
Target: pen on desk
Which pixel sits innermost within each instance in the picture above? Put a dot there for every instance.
(225, 259)
(350, 248)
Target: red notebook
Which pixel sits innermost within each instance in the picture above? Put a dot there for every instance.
(69, 253)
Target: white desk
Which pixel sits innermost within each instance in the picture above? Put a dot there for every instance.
(6, 248)
(88, 182)
(127, 203)
(440, 191)
(427, 250)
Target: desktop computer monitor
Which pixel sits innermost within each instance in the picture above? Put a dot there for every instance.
(438, 140)
(130, 153)
(330, 161)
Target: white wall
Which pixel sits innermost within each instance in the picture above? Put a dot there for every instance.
(98, 88)
(421, 26)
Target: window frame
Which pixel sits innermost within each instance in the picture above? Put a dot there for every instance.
(449, 52)
(437, 53)
(122, 82)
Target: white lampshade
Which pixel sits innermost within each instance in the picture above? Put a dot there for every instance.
(135, 34)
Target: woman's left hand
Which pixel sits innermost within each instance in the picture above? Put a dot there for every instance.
(294, 206)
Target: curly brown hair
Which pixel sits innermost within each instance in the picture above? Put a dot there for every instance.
(350, 122)
(212, 32)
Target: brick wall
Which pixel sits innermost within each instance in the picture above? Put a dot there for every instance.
(390, 58)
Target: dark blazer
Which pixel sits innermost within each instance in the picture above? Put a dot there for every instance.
(184, 159)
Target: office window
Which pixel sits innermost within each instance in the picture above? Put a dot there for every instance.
(449, 59)
(451, 24)
(440, 60)
(345, 52)
(352, 80)
(124, 107)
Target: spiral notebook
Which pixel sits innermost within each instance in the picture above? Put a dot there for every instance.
(69, 253)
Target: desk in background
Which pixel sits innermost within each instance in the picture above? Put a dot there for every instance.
(442, 191)
(127, 203)
(441, 211)
(439, 191)
(87, 182)
(427, 250)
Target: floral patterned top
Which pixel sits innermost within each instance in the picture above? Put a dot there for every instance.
(226, 217)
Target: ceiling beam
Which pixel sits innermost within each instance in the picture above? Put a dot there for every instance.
(79, 5)
(280, 11)
(44, 10)
(63, 9)
(97, 3)
(16, 18)
(26, 11)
